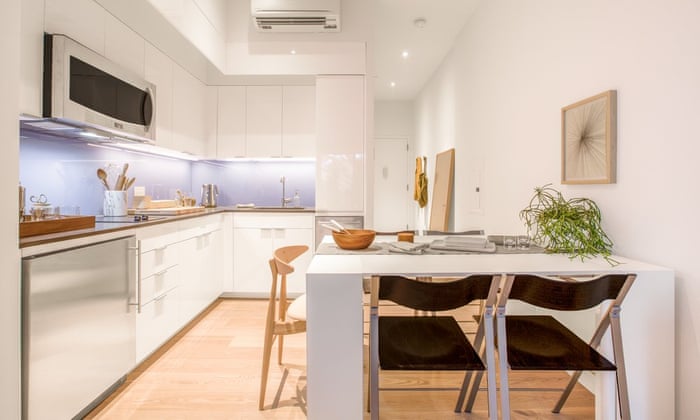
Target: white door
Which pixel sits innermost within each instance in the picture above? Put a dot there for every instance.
(392, 189)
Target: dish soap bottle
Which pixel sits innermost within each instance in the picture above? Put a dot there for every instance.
(296, 200)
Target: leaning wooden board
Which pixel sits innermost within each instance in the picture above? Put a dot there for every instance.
(442, 190)
(55, 225)
(167, 211)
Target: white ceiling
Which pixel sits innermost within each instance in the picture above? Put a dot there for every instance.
(387, 26)
(394, 32)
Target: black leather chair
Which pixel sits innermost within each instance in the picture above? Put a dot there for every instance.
(540, 342)
(431, 342)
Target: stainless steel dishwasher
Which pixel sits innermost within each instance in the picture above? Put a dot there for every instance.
(78, 327)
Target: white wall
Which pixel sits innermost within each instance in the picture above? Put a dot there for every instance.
(9, 252)
(393, 119)
(497, 99)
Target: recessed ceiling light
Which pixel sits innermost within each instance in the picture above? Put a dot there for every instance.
(293, 52)
(420, 22)
(404, 54)
(392, 84)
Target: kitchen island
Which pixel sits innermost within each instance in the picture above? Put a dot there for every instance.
(335, 324)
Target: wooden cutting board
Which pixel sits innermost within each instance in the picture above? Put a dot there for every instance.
(168, 211)
(60, 224)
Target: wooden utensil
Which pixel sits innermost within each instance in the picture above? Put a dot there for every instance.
(121, 179)
(129, 183)
(340, 227)
(102, 174)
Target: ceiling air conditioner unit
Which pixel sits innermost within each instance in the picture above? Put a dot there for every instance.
(296, 15)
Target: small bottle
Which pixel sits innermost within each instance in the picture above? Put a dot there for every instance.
(296, 200)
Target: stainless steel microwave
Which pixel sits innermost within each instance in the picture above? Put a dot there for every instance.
(84, 89)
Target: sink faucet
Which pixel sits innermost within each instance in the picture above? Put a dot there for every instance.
(285, 200)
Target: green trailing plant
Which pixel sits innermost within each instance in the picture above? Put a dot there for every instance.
(566, 226)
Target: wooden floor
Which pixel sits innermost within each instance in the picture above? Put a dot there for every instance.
(211, 370)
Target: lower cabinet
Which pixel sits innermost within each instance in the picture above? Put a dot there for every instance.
(180, 274)
(201, 268)
(255, 237)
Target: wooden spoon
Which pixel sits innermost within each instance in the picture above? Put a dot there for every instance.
(129, 183)
(339, 226)
(102, 174)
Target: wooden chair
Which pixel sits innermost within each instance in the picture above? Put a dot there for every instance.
(283, 318)
(430, 342)
(540, 342)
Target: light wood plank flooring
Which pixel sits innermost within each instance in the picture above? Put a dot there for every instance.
(211, 370)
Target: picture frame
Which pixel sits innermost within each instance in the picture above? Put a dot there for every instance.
(589, 140)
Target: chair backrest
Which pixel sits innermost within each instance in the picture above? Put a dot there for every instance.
(563, 295)
(433, 296)
(280, 266)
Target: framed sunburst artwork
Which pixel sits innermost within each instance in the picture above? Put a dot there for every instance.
(588, 140)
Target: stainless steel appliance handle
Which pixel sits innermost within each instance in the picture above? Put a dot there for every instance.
(137, 251)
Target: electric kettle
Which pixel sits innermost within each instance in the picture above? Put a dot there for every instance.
(209, 193)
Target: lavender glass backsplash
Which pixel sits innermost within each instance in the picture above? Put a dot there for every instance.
(65, 171)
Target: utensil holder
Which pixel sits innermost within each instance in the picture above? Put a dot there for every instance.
(114, 203)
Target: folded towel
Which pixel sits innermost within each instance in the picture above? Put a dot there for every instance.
(407, 247)
(474, 240)
(439, 244)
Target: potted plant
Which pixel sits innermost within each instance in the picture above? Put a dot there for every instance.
(566, 226)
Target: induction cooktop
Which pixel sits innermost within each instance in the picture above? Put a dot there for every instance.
(138, 218)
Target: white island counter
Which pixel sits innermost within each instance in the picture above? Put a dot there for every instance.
(334, 324)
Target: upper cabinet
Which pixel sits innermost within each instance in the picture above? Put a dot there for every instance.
(189, 108)
(263, 121)
(299, 121)
(266, 121)
(124, 46)
(158, 69)
(82, 20)
(340, 139)
(31, 56)
(231, 122)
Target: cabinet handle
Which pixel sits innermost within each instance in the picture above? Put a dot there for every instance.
(162, 248)
(137, 251)
(161, 272)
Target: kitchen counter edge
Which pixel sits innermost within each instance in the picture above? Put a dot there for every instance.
(102, 228)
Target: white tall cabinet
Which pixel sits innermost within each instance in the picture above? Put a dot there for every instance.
(340, 141)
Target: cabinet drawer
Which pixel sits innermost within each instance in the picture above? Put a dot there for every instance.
(274, 221)
(158, 283)
(157, 322)
(158, 259)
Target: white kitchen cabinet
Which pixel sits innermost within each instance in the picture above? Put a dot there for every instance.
(255, 237)
(189, 131)
(340, 140)
(158, 316)
(231, 122)
(202, 264)
(158, 69)
(264, 121)
(31, 57)
(81, 20)
(124, 46)
(298, 121)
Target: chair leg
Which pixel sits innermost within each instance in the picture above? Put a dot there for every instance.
(280, 347)
(503, 362)
(567, 391)
(267, 353)
(621, 373)
(491, 368)
(463, 392)
(373, 380)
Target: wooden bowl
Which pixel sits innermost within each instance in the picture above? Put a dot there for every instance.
(356, 239)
